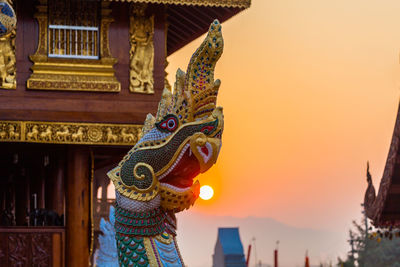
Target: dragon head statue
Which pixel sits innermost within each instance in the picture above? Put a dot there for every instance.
(155, 179)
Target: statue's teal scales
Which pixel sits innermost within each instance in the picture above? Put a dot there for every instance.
(155, 179)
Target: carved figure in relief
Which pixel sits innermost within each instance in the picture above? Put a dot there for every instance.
(155, 180)
(46, 135)
(7, 61)
(142, 51)
(126, 137)
(3, 133)
(63, 134)
(78, 136)
(33, 134)
(111, 138)
(8, 23)
(12, 133)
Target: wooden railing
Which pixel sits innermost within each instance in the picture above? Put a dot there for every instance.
(73, 42)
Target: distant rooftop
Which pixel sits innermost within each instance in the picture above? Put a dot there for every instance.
(228, 250)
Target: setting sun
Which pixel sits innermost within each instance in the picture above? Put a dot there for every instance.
(206, 192)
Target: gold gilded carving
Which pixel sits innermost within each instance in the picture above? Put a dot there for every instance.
(7, 61)
(94, 134)
(106, 20)
(126, 136)
(212, 3)
(33, 134)
(46, 134)
(72, 82)
(10, 131)
(63, 134)
(111, 138)
(69, 133)
(70, 74)
(167, 85)
(142, 51)
(78, 136)
(41, 16)
(7, 58)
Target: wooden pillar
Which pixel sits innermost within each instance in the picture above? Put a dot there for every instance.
(159, 48)
(77, 207)
(21, 198)
(42, 186)
(55, 185)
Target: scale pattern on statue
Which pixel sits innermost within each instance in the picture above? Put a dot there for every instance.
(131, 251)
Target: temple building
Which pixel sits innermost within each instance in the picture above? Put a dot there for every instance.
(384, 208)
(228, 251)
(77, 78)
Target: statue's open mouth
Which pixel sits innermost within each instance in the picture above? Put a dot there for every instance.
(183, 171)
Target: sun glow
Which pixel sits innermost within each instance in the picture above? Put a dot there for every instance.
(206, 192)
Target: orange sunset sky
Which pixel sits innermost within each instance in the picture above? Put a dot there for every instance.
(310, 91)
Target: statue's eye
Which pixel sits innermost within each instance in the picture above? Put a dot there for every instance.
(169, 124)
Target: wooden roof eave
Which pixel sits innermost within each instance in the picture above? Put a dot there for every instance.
(189, 19)
(195, 19)
(374, 205)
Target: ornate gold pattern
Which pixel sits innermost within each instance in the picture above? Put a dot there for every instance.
(71, 82)
(10, 131)
(172, 199)
(8, 61)
(69, 133)
(73, 74)
(7, 58)
(151, 254)
(212, 3)
(166, 239)
(142, 51)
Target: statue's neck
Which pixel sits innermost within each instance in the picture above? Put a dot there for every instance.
(144, 223)
(146, 237)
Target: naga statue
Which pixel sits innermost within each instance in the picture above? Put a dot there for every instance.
(155, 179)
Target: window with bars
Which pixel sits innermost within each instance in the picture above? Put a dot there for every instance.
(73, 30)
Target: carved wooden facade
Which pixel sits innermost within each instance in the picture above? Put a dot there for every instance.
(32, 247)
(83, 76)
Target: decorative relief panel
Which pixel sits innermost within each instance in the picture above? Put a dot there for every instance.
(31, 246)
(77, 67)
(3, 250)
(7, 61)
(18, 249)
(41, 249)
(142, 50)
(10, 131)
(69, 133)
(7, 52)
(72, 83)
